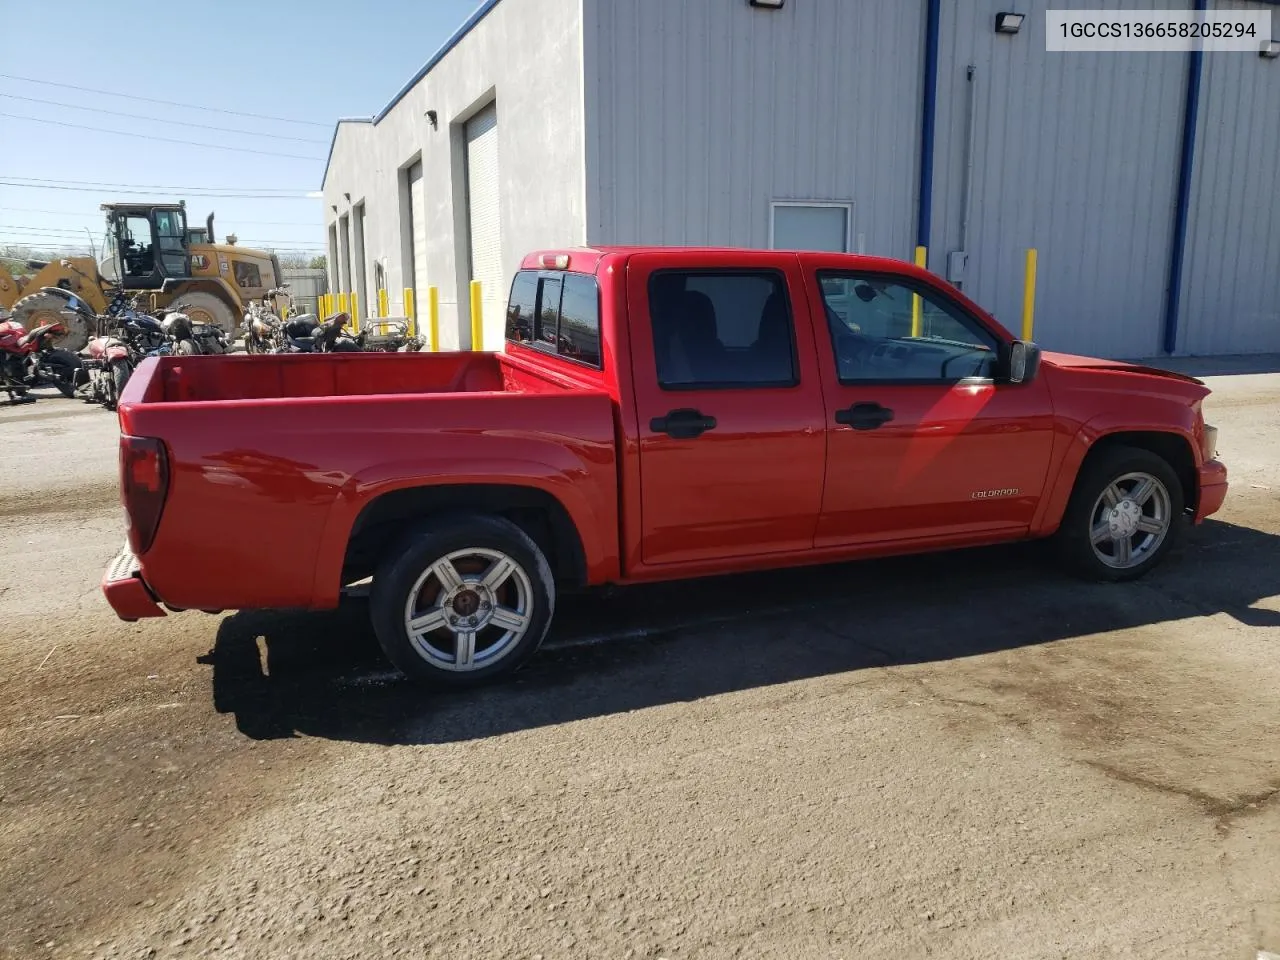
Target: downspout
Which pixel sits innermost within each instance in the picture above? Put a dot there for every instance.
(925, 221)
(1190, 118)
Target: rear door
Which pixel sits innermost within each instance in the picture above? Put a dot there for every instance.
(729, 405)
(924, 439)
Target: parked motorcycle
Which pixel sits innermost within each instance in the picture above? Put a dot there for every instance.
(391, 336)
(190, 337)
(262, 328)
(109, 359)
(304, 335)
(29, 359)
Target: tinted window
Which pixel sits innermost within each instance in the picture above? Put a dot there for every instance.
(580, 319)
(721, 328)
(883, 330)
(548, 310)
(558, 313)
(521, 307)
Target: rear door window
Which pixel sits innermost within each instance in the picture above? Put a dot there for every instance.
(716, 329)
(556, 312)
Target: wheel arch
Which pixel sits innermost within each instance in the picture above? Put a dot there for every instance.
(538, 512)
(1171, 444)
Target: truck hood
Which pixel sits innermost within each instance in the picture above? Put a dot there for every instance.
(1117, 366)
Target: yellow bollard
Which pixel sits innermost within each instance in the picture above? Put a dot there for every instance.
(1029, 295)
(320, 306)
(433, 316)
(477, 318)
(382, 301)
(921, 260)
(355, 311)
(342, 303)
(409, 311)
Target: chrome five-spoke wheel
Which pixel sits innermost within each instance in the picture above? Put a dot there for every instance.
(462, 599)
(468, 609)
(1130, 520)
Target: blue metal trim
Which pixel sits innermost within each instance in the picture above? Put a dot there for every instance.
(334, 139)
(1190, 119)
(453, 41)
(925, 222)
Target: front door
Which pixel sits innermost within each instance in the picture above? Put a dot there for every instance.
(923, 441)
(730, 406)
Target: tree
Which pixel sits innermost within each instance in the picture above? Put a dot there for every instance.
(319, 263)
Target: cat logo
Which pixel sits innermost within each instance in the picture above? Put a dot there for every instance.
(199, 261)
(992, 494)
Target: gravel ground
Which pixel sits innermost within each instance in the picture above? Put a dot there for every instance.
(965, 755)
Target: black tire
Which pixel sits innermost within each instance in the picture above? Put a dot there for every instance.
(121, 370)
(62, 365)
(37, 309)
(401, 570)
(203, 307)
(1074, 537)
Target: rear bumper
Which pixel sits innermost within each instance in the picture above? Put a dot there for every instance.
(1213, 488)
(126, 591)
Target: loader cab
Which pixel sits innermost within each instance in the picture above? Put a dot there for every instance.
(145, 245)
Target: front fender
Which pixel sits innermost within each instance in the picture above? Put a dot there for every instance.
(591, 507)
(1155, 415)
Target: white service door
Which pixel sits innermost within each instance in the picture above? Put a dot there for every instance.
(484, 224)
(418, 238)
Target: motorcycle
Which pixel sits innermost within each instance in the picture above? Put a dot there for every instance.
(109, 359)
(262, 328)
(29, 359)
(189, 337)
(303, 335)
(392, 336)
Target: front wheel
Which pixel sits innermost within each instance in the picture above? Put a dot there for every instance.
(121, 370)
(464, 601)
(1125, 514)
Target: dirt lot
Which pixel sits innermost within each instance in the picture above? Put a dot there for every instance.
(963, 756)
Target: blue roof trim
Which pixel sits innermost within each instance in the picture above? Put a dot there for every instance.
(439, 55)
(334, 139)
(453, 41)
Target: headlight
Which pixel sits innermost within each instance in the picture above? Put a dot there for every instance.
(1210, 443)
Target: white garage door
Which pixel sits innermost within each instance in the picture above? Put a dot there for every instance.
(418, 240)
(484, 221)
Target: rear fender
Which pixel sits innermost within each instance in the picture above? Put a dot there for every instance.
(592, 527)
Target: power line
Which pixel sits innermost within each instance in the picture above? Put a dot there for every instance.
(180, 123)
(148, 136)
(290, 191)
(167, 103)
(158, 190)
(69, 213)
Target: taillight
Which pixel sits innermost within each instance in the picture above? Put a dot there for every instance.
(144, 482)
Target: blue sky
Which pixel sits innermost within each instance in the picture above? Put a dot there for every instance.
(310, 62)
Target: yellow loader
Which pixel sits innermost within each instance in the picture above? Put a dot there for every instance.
(148, 248)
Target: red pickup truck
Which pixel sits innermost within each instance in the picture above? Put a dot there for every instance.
(657, 413)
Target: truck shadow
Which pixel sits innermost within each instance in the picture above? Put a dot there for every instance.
(284, 674)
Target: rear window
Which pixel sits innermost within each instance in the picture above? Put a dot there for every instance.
(556, 312)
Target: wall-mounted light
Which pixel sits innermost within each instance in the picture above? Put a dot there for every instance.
(1008, 22)
(767, 4)
(1270, 49)
(431, 118)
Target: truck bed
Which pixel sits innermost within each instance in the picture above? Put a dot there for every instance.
(272, 458)
(280, 376)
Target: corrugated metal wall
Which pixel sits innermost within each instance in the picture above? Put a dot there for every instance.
(1231, 278)
(1076, 154)
(701, 113)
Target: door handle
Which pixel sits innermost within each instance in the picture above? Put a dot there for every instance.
(683, 424)
(864, 416)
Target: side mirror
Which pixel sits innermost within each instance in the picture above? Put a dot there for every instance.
(1024, 362)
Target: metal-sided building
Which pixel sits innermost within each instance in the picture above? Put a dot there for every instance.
(1147, 182)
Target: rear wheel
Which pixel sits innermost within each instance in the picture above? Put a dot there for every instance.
(463, 602)
(37, 309)
(1125, 514)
